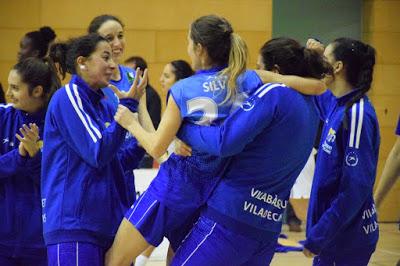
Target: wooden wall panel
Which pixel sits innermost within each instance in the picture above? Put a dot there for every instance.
(155, 29)
(254, 41)
(381, 26)
(381, 16)
(171, 45)
(20, 14)
(386, 80)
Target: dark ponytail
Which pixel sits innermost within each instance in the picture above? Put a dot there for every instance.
(41, 39)
(58, 53)
(289, 57)
(358, 59)
(39, 72)
(65, 54)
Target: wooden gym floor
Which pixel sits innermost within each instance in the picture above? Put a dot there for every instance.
(386, 254)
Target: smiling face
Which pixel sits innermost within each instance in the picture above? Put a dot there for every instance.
(18, 94)
(98, 67)
(113, 32)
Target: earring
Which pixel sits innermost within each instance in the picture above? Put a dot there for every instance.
(82, 67)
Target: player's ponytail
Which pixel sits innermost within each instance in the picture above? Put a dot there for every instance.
(224, 48)
(358, 60)
(65, 54)
(237, 63)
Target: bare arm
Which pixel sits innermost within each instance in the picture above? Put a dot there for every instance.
(155, 143)
(310, 86)
(390, 174)
(147, 124)
(144, 116)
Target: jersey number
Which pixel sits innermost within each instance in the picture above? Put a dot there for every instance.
(207, 106)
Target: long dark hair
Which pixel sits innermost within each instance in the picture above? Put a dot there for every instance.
(291, 58)
(39, 72)
(41, 39)
(358, 60)
(181, 69)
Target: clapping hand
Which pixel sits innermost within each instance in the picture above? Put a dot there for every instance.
(28, 140)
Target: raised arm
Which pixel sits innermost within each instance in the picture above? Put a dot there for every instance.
(308, 86)
(239, 129)
(155, 143)
(144, 116)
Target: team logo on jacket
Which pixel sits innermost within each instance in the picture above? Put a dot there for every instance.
(327, 146)
(351, 159)
(131, 77)
(7, 141)
(248, 104)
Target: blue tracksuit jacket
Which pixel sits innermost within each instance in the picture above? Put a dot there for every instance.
(269, 139)
(20, 208)
(342, 214)
(83, 186)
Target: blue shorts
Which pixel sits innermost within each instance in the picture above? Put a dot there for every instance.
(74, 254)
(8, 261)
(154, 220)
(357, 257)
(211, 244)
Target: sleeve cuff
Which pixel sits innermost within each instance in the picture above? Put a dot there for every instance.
(35, 160)
(21, 160)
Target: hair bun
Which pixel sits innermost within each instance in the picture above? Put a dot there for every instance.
(47, 33)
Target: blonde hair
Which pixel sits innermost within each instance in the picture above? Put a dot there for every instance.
(237, 64)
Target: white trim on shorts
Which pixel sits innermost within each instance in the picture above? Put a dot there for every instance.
(148, 209)
(201, 243)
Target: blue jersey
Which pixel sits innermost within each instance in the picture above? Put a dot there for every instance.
(20, 222)
(124, 84)
(398, 128)
(342, 214)
(83, 166)
(185, 182)
(269, 139)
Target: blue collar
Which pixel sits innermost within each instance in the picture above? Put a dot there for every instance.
(342, 100)
(96, 95)
(211, 70)
(39, 115)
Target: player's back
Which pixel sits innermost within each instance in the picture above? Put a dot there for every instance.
(201, 99)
